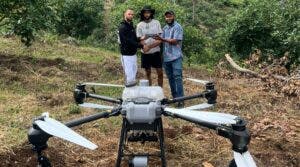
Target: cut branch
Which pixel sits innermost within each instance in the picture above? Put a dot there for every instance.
(240, 69)
(255, 74)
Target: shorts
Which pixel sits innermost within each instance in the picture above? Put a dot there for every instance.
(151, 60)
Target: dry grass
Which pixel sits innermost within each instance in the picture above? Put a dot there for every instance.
(42, 78)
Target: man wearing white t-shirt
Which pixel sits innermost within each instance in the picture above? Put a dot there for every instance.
(145, 31)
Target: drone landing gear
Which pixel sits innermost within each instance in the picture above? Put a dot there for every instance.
(156, 126)
(232, 163)
(43, 161)
(39, 141)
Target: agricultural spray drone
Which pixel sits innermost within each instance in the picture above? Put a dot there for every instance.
(141, 108)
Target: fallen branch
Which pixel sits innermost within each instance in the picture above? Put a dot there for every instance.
(255, 74)
(240, 69)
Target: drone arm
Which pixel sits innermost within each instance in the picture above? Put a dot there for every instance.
(237, 133)
(80, 94)
(86, 119)
(104, 98)
(210, 95)
(202, 123)
(114, 112)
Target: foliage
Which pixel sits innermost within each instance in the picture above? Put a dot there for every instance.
(79, 18)
(272, 26)
(209, 15)
(194, 45)
(25, 17)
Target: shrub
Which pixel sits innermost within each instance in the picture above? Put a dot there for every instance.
(79, 18)
(271, 26)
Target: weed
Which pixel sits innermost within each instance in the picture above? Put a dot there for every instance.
(74, 109)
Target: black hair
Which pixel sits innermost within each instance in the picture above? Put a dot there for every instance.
(142, 18)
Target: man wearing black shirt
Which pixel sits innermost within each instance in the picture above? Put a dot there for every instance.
(128, 46)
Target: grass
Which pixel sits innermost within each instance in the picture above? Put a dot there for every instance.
(41, 79)
(56, 50)
(44, 84)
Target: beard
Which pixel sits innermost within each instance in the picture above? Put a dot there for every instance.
(128, 19)
(147, 18)
(171, 22)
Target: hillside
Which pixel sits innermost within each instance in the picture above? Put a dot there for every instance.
(41, 78)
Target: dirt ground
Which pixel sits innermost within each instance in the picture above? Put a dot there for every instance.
(273, 118)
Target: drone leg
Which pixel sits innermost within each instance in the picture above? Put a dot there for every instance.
(43, 161)
(121, 143)
(161, 142)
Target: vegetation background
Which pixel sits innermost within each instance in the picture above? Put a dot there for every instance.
(47, 46)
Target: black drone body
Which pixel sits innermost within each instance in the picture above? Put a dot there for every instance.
(141, 109)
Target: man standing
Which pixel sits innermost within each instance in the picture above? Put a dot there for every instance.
(146, 29)
(172, 37)
(128, 46)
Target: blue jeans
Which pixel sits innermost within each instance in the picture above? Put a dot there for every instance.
(174, 73)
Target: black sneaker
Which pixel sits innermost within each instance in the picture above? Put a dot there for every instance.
(180, 104)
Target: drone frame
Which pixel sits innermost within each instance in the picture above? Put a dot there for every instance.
(237, 133)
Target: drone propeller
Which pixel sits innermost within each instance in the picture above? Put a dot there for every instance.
(203, 116)
(200, 106)
(199, 81)
(102, 84)
(97, 106)
(55, 128)
(243, 160)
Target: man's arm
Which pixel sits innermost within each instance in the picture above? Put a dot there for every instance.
(178, 35)
(170, 41)
(125, 38)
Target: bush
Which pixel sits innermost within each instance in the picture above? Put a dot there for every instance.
(271, 26)
(25, 18)
(194, 45)
(79, 18)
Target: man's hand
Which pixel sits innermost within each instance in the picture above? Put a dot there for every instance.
(143, 38)
(157, 37)
(146, 48)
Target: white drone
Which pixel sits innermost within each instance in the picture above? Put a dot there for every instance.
(141, 108)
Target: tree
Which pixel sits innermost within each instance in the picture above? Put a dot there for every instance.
(79, 18)
(271, 26)
(25, 17)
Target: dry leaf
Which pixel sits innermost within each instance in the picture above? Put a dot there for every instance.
(207, 164)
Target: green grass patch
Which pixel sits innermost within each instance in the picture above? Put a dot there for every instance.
(74, 109)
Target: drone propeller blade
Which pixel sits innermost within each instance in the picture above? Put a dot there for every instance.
(60, 130)
(243, 160)
(200, 106)
(203, 116)
(97, 106)
(198, 81)
(249, 159)
(102, 84)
